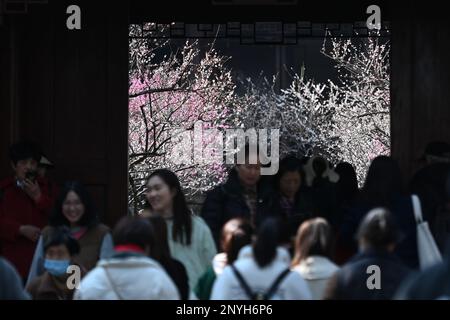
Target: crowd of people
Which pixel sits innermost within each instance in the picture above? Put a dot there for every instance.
(308, 232)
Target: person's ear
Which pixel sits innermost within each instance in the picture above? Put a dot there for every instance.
(173, 192)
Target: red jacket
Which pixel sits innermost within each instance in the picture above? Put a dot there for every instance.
(17, 209)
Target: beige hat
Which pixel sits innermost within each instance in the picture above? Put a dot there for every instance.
(45, 162)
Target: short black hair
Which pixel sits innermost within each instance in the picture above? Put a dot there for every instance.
(90, 216)
(378, 229)
(134, 230)
(269, 237)
(61, 236)
(24, 150)
(290, 163)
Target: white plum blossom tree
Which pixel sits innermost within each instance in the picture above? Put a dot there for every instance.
(362, 109)
(173, 87)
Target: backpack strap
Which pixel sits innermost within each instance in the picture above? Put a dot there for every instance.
(112, 284)
(417, 209)
(276, 284)
(248, 291)
(243, 283)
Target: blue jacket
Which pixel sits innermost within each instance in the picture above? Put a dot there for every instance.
(350, 282)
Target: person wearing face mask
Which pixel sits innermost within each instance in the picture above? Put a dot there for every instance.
(25, 205)
(75, 210)
(190, 240)
(246, 194)
(60, 248)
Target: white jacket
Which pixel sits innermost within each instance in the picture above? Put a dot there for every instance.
(317, 271)
(197, 256)
(130, 278)
(228, 287)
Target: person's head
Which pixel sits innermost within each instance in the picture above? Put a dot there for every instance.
(161, 251)
(236, 234)
(165, 196)
(348, 182)
(59, 248)
(74, 207)
(383, 182)
(249, 173)
(268, 238)
(319, 165)
(314, 238)
(135, 231)
(378, 231)
(290, 177)
(24, 158)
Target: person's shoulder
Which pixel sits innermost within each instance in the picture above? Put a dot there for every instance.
(6, 268)
(94, 275)
(34, 284)
(217, 191)
(199, 222)
(6, 182)
(47, 230)
(100, 229)
(227, 274)
(178, 265)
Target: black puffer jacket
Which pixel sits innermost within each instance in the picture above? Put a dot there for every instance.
(227, 201)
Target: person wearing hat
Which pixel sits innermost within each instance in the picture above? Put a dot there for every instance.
(43, 167)
(25, 205)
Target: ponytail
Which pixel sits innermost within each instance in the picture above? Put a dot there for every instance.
(265, 247)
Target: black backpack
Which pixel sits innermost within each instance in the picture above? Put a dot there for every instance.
(256, 295)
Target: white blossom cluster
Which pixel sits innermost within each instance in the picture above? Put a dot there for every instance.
(170, 89)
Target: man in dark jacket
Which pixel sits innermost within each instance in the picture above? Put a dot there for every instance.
(375, 273)
(24, 207)
(245, 194)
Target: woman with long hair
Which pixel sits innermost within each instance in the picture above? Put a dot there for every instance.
(313, 255)
(75, 209)
(384, 188)
(236, 234)
(190, 239)
(161, 253)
